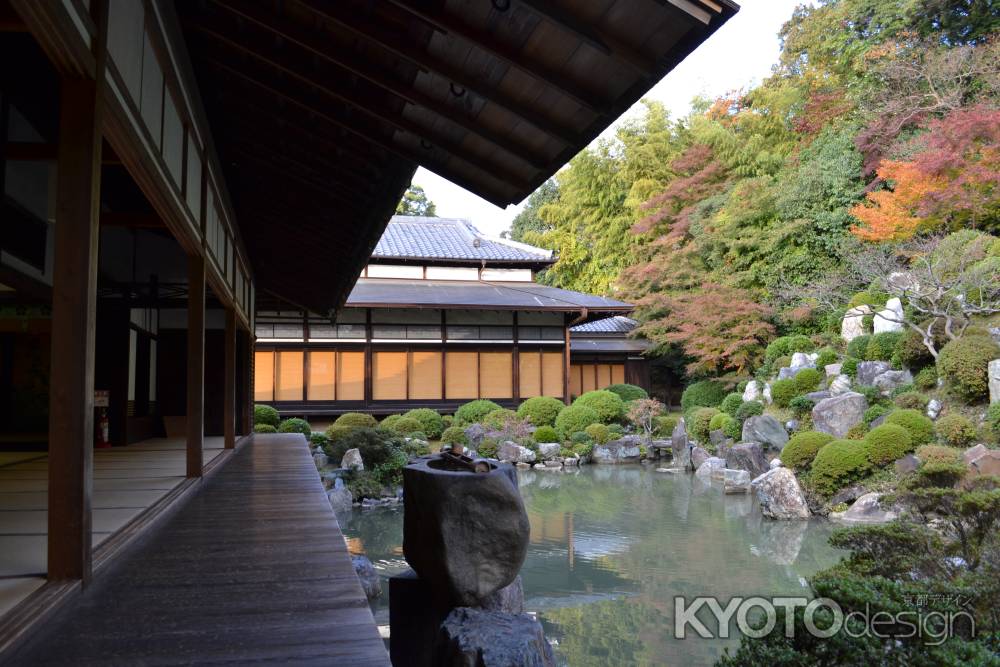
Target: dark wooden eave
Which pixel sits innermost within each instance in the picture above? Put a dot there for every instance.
(322, 109)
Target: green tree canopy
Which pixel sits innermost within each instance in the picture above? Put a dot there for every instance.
(415, 202)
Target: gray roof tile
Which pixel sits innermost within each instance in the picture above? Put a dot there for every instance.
(412, 237)
(609, 325)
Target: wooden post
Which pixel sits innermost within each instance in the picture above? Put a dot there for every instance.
(516, 365)
(566, 365)
(229, 382)
(250, 379)
(195, 364)
(74, 306)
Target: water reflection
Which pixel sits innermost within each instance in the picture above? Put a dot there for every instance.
(612, 546)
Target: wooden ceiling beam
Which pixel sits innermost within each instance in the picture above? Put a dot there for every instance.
(131, 220)
(488, 192)
(294, 33)
(397, 45)
(290, 166)
(345, 93)
(448, 24)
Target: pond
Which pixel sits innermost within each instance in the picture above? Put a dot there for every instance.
(612, 546)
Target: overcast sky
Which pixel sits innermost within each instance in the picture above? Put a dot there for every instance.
(740, 54)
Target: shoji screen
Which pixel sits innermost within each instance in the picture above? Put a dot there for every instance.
(530, 373)
(289, 375)
(388, 376)
(617, 373)
(575, 380)
(553, 368)
(263, 376)
(322, 375)
(603, 375)
(425, 375)
(350, 376)
(495, 375)
(462, 373)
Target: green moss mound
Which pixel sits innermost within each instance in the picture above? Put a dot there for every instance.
(474, 411)
(356, 420)
(838, 463)
(921, 428)
(802, 448)
(541, 410)
(575, 418)
(628, 392)
(295, 425)
(265, 414)
(886, 443)
(599, 433)
(806, 380)
(454, 435)
(546, 434)
(608, 405)
(264, 428)
(430, 421)
(783, 391)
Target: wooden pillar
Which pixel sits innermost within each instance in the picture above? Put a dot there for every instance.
(516, 365)
(249, 379)
(229, 382)
(195, 364)
(74, 306)
(566, 364)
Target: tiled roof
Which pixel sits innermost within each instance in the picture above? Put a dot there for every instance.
(413, 237)
(618, 324)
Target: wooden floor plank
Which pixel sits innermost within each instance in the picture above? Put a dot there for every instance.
(253, 569)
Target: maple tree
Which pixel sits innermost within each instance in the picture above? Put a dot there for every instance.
(892, 214)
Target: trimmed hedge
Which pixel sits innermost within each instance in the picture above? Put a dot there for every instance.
(546, 434)
(727, 423)
(608, 405)
(407, 425)
(295, 425)
(921, 428)
(955, 430)
(827, 356)
(574, 419)
(454, 435)
(786, 345)
(665, 425)
(731, 403)
(430, 421)
(497, 419)
(963, 365)
(838, 463)
(541, 410)
(805, 380)
(700, 427)
(858, 347)
(705, 393)
(474, 411)
(939, 454)
(375, 446)
(886, 443)
(911, 400)
(389, 423)
(749, 409)
(264, 428)
(265, 414)
(926, 379)
(627, 392)
(801, 448)
(600, 433)
(801, 405)
(335, 431)
(874, 412)
(356, 420)
(881, 346)
(783, 391)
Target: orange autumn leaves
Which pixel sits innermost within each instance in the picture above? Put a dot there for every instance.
(894, 215)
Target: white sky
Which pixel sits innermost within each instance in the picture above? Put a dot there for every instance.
(738, 55)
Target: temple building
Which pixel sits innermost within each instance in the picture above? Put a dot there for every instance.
(441, 315)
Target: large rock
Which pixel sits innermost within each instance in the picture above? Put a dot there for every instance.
(994, 380)
(865, 509)
(840, 384)
(477, 638)
(890, 318)
(465, 533)
(986, 464)
(907, 464)
(320, 459)
(511, 452)
(934, 408)
(779, 495)
(837, 414)
(340, 498)
(869, 370)
(679, 446)
(833, 370)
(698, 456)
(623, 450)
(753, 392)
(765, 429)
(802, 360)
(747, 456)
(370, 582)
(817, 396)
(718, 438)
(475, 433)
(973, 453)
(890, 380)
(509, 599)
(352, 460)
(712, 463)
(736, 481)
(549, 450)
(767, 393)
(853, 324)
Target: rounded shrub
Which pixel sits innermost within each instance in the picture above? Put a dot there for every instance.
(938, 454)
(881, 346)
(488, 448)
(389, 423)
(700, 427)
(871, 394)
(727, 424)
(265, 414)
(749, 409)
(921, 428)
(430, 421)
(704, 394)
(910, 400)
(806, 380)
(454, 435)
(581, 438)
(954, 430)
(665, 425)
(858, 347)
(857, 432)
(911, 352)
(801, 448)
(599, 433)
(356, 420)
(867, 298)
(628, 392)
(801, 405)
(783, 391)
(335, 432)
(474, 411)
(608, 405)
(886, 443)
(963, 365)
(448, 420)
(497, 419)
(926, 379)
(827, 356)
(295, 425)
(993, 418)
(264, 428)
(375, 446)
(407, 425)
(731, 403)
(546, 434)
(574, 419)
(785, 346)
(849, 367)
(838, 463)
(874, 412)
(540, 410)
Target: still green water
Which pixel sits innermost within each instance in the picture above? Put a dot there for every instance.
(612, 546)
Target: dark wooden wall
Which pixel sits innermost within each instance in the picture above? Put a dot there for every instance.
(171, 376)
